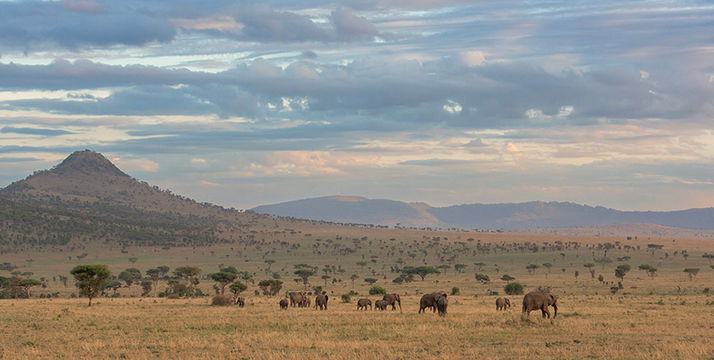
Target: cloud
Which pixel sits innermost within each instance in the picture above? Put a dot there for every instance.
(33, 131)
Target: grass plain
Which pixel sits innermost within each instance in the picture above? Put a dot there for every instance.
(667, 316)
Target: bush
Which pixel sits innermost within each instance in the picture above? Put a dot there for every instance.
(513, 288)
(221, 300)
(346, 298)
(377, 290)
(455, 291)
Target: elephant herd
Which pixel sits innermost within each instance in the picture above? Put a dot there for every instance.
(436, 301)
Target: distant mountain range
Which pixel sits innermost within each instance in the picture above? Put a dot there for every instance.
(516, 216)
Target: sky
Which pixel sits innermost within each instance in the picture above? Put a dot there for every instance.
(243, 103)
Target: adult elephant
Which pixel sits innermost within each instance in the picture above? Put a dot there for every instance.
(362, 304)
(240, 301)
(296, 298)
(441, 303)
(502, 303)
(429, 301)
(321, 301)
(393, 299)
(536, 300)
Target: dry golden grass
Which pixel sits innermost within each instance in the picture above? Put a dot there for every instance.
(595, 327)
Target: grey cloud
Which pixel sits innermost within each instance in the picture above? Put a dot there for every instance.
(29, 25)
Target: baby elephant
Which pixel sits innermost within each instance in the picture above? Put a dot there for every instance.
(239, 300)
(283, 304)
(363, 303)
(380, 305)
(441, 303)
(503, 304)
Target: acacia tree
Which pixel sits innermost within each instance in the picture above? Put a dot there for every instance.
(223, 279)
(26, 284)
(547, 266)
(130, 275)
(190, 274)
(154, 275)
(507, 278)
(692, 272)
(422, 271)
(590, 267)
(304, 274)
(90, 278)
(621, 271)
(237, 288)
(353, 278)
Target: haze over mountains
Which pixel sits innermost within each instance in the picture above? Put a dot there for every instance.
(517, 216)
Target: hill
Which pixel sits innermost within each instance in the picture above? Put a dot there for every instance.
(516, 216)
(86, 198)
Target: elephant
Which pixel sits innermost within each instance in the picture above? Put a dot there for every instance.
(283, 304)
(380, 305)
(296, 298)
(239, 300)
(429, 301)
(536, 300)
(441, 303)
(393, 299)
(363, 303)
(305, 302)
(321, 301)
(503, 303)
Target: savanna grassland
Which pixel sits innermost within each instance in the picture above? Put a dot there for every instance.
(660, 315)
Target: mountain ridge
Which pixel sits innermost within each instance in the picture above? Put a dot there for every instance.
(506, 216)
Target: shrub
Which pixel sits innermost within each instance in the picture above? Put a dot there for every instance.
(221, 300)
(455, 291)
(346, 298)
(513, 288)
(377, 290)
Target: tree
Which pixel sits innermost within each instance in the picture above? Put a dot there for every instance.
(652, 272)
(353, 278)
(532, 268)
(590, 267)
(600, 278)
(460, 267)
(370, 281)
(237, 288)
(483, 278)
(548, 266)
(270, 263)
(130, 275)
(603, 261)
(164, 270)
(133, 260)
(480, 265)
(507, 278)
(154, 275)
(90, 278)
(229, 269)
(304, 274)
(577, 273)
(112, 284)
(223, 279)
(513, 288)
(325, 277)
(146, 286)
(270, 287)
(621, 271)
(26, 284)
(422, 271)
(190, 275)
(692, 272)
(709, 257)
